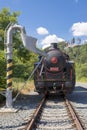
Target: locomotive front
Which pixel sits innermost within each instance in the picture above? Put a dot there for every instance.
(55, 73)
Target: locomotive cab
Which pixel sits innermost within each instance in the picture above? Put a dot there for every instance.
(56, 73)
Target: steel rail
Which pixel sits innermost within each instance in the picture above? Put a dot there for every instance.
(75, 117)
(69, 106)
(31, 123)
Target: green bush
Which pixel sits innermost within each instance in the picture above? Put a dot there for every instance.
(2, 70)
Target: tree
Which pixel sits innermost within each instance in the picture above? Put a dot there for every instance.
(23, 60)
(73, 40)
(79, 40)
(5, 18)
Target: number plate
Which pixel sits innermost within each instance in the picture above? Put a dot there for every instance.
(54, 69)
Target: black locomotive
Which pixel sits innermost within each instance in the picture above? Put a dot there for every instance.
(55, 72)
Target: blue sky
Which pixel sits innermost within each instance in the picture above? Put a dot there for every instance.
(46, 18)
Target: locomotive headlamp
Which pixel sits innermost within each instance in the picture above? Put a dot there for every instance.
(54, 60)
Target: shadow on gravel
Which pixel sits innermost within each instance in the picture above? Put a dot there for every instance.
(79, 95)
(26, 102)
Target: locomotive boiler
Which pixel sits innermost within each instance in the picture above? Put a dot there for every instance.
(55, 72)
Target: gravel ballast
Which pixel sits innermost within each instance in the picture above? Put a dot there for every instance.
(27, 104)
(79, 100)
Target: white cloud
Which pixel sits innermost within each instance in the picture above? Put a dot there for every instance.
(79, 29)
(42, 31)
(50, 39)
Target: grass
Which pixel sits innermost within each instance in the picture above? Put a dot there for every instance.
(18, 85)
(83, 80)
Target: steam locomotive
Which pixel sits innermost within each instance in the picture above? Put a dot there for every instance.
(55, 72)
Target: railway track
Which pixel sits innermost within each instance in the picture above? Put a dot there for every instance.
(54, 113)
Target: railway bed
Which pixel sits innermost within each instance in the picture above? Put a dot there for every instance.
(28, 103)
(55, 113)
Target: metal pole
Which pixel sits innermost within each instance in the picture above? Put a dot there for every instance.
(9, 69)
(9, 51)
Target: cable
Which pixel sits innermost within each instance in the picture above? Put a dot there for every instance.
(14, 99)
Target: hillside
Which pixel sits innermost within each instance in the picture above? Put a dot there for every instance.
(79, 55)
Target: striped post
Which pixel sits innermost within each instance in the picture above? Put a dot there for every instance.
(9, 74)
(9, 84)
